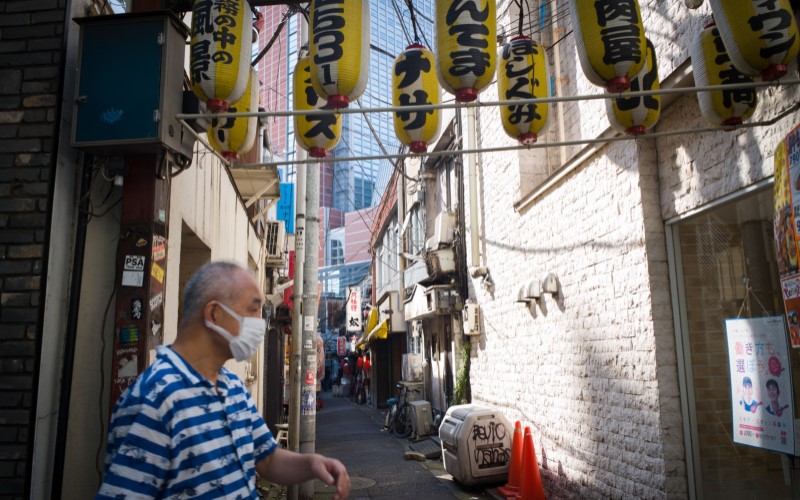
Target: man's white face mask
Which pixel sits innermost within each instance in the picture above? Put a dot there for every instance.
(251, 334)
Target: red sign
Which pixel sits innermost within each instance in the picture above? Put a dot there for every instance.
(341, 346)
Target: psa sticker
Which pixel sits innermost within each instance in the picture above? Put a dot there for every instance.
(134, 263)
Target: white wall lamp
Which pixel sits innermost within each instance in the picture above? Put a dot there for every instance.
(529, 293)
(551, 285)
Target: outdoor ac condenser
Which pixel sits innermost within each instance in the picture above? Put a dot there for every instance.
(422, 418)
(275, 241)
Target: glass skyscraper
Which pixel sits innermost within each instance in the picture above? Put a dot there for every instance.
(354, 184)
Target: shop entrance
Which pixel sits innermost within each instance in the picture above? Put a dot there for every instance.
(723, 266)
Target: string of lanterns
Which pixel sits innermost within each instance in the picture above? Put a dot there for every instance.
(750, 39)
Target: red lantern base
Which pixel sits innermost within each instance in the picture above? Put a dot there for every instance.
(467, 94)
(618, 84)
(217, 105)
(230, 155)
(317, 152)
(338, 101)
(637, 130)
(528, 139)
(773, 72)
(418, 147)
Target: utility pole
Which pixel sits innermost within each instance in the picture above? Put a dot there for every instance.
(303, 400)
(308, 410)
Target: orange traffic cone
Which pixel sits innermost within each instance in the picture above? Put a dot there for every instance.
(512, 486)
(530, 487)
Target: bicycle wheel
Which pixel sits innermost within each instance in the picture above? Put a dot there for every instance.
(390, 415)
(402, 422)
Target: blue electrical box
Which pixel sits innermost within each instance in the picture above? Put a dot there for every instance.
(130, 83)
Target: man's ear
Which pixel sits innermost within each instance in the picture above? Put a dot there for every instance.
(209, 312)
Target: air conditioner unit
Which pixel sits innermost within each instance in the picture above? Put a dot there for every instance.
(421, 419)
(275, 241)
(441, 300)
(472, 319)
(443, 227)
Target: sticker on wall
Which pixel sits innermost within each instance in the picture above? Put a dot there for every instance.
(308, 323)
(126, 367)
(162, 215)
(137, 308)
(155, 327)
(128, 335)
(132, 278)
(141, 242)
(159, 248)
(134, 263)
(157, 272)
(310, 377)
(309, 401)
(156, 300)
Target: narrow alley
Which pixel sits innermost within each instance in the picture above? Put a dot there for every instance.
(374, 457)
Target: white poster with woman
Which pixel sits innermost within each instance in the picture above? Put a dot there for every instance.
(761, 390)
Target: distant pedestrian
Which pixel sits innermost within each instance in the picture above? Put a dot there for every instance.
(187, 427)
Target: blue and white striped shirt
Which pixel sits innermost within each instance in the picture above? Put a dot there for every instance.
(173, 434)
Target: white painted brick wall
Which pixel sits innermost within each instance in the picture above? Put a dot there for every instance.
(595, 372)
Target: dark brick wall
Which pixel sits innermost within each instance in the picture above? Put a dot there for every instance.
(31, 37)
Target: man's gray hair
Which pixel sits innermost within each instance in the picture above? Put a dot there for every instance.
(213, 281)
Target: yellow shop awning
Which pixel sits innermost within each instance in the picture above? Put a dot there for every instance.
(380, 332)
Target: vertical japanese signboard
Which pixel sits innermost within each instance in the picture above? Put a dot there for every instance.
(353, 308)
(787, 227)
(761, 385)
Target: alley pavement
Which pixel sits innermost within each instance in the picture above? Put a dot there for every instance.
(375, 458)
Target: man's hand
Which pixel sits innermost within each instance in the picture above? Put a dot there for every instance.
(331, 472)
(287, 467)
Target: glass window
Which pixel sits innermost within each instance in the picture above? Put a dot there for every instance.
(716, 254)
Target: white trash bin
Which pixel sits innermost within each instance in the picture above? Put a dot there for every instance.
(476, 444)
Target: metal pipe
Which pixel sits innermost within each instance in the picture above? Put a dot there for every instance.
(472, 169)
(71, 329)
(478, 104)
(515, 147)
(588, 152)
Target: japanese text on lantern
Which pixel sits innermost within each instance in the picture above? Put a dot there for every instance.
(209, 13)
(471, 56)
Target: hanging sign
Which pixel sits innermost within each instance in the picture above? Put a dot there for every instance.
(219, 55)
(341, 346)
(761, 36)
(712, 66)
(786, 225)
(316, 134)
(761, 384)
(236, 136)
(339, 45)
(466, 33)
(414, 83)
(610, 40)
(637, 115)
(522, 74)
(353, 307)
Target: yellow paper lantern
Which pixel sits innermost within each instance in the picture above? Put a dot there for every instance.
(712, 66)
(760, 36)
(610, 39)
(637, 115)
(316, 134)
(414, 84)
(236, 136)
(219, 57)
(339, 46)
(466, 33)
(522, 74)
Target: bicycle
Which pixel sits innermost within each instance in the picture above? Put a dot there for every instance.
(401, 424)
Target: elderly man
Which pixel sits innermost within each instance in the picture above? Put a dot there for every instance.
(187, 427)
